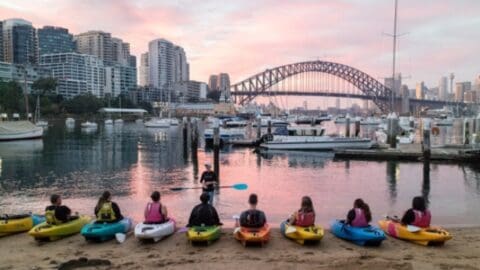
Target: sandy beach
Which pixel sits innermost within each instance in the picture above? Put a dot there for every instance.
(22, 252)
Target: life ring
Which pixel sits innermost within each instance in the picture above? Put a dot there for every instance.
(435, 131)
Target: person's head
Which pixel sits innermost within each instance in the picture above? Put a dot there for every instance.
(155, 196)
(307, 205)
(55, 199)
(106, 196)
(204, 197)
(208, 166)
(359, 203)
(418, 203)
(253, 199)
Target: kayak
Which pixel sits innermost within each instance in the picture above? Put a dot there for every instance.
(252, 235)
(10, 224)
(203, 234)
(104, 231)
(155, 232)
(362, 236)
(48, 232)
(432, 236)
(302, 235)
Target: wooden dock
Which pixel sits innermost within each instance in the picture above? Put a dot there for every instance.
(413, 152)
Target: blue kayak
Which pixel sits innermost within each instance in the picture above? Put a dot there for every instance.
(363, 236)
(99, 232)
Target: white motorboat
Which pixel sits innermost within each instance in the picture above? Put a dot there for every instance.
(108, 122)
(371, 121)
(236, 122)
(226, 135)
(157, 123)
(407, 138)
(89, 125)
(274, 122)
(312, 139)
(19, 130)
(41, 123)
(447, 121)
(69, 121)
(174, 121)
(118, 121)
(340, 119)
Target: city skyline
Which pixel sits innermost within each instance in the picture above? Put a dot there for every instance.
(441, 37)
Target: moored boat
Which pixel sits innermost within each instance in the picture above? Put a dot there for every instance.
(19, 130)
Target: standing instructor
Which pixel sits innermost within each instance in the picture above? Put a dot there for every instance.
(208, 180)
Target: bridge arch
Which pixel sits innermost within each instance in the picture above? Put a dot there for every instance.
(260, 83)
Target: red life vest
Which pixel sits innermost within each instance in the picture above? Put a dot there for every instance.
(305, 219)
(152, 213)
(422, 219)
(360, 220)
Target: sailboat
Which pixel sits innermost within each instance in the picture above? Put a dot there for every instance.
(119, 121)
(38, 121)
(161, 122)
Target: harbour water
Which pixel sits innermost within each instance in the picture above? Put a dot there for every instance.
(132, 161)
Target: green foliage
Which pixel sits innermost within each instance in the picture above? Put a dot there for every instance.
(11, 97)
(214, 95)
(45, 86)
(83, 104)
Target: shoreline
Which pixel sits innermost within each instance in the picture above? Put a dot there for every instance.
(20, 251)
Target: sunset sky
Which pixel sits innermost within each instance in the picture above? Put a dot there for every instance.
(245, 37)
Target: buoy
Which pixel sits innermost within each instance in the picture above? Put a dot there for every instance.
(435, 131)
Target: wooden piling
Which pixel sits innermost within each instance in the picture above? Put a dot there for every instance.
(347, 127)
(269, 127)
(194, 140)
(466, 131)
(426, 142)
(216, 152)
(259, 128)
(357, 128)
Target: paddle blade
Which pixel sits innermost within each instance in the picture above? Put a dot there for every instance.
(237, 229)
(177, 188)
(121, 237)
(413, 229)
(240, 186)
(182, 230)
(290, 229)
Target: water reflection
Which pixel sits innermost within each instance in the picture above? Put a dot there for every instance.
(426, 181)
(393, 172)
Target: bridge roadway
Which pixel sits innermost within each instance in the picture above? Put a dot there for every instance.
(413, 101)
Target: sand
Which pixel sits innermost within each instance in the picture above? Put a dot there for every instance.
(22, 252)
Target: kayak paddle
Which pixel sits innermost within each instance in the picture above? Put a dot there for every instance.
(239, 186)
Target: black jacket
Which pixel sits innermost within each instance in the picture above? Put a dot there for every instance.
(203, 214)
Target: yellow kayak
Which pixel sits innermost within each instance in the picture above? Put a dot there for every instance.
(302, 235)
(48, 232)
(203, 234)
(431, 236)
(18, 223)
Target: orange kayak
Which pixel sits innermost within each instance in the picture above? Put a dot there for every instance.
(431, 236)
(252, 235)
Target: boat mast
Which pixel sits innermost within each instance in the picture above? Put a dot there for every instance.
(25, 93)
(392, 95)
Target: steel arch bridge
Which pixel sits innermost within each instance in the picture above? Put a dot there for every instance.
(260, 83)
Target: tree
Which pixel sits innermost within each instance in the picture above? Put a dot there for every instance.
(11, 97)
(45, 86)
(82, 104)
(214, 95)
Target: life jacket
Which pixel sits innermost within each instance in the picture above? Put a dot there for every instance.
(106, 213)
(422, 219)
(50, 217)
(305, 219)
(360, 219)
(153, 214)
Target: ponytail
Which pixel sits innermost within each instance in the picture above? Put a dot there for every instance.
(359, 203)
(105, 197)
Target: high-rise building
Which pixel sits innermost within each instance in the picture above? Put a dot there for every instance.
(120, 52)
(96, 43)
(213, 83)
(53, 39)
(23, 74)
(181, 65)
(20, 44)
(161, 63)
(398, 83)
(460, 89)
(133, 61)
(443, 88)
(1, 41)
(420, 90)
(76, 73)
(143, 80)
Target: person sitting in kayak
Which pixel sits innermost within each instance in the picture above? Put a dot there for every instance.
(418, 215)
(106, 210)
(155, 212)
(204, 214)
(208, 180)
(253, 218)
(57, 213)
(359, 215)
(305, 216)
